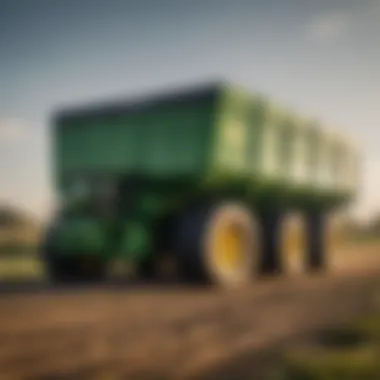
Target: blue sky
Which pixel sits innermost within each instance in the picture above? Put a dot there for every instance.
(321, 58)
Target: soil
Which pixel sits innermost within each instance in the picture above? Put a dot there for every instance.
(173, 332)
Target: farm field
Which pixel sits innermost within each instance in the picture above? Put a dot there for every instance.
(172, 332)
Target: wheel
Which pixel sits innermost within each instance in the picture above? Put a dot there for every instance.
(317, 242)
(146, 270)
(62, 268)
(293, 244)
(218, 244)
(78, 269)
(334, 240)
(161, 263)
(270, 221)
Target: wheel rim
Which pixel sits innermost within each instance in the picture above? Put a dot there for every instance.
(294, 245)
(229, 247)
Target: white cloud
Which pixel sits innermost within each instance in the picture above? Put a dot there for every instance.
(12, 131)
(330, 26)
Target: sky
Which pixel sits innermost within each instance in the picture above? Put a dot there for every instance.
(320, 58)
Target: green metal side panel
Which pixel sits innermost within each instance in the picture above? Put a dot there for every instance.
(175, 141)
(97, 145)
(258, 141)
(165, 141)
(229, 153)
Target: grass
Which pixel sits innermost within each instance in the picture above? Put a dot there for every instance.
(32, 268)
(25, 268)
(29, 266)
(355, 364)
(364, 238)
(18, 256)
(347, 353)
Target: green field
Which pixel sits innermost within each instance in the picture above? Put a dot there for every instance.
(30, 267)
(348, 353)
(19, 268)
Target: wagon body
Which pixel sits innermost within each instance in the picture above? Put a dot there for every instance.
(121, 168)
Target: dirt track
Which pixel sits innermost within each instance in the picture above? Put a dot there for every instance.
(162, 333)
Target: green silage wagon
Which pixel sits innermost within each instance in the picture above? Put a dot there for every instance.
(203, 178)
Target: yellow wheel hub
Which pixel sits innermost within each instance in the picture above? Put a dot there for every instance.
(228, 247)
(294, 244)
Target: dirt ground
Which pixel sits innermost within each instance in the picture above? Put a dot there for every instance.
(172, 332)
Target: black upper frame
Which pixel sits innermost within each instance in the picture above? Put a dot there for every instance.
(183, 95)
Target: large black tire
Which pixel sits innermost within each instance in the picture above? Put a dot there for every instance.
(270, 259)
(147, 270)
(317, 242)
(218, 244)
(62, 268)
(155, 266)
(74, 271)
(284, 243)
